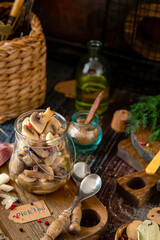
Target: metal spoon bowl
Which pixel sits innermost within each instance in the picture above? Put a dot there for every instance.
(89, 186)
(80, 171)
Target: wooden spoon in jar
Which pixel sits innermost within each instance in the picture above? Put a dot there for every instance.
(94, 108)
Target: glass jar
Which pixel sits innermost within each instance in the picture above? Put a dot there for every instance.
(92, 76)
(86, 137)
(41, 166)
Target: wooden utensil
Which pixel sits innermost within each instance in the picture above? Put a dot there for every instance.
(89, 186)
(94, 108)
(80, 171)
(7, 29)
(139, 186)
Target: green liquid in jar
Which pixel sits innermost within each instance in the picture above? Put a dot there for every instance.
(87, 89)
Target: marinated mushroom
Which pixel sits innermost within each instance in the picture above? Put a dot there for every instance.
(41, 153)
(53, 126)
(29, 131)
(40, 120)
(29, 161)
(25, 182)
(16, 167)
(51, 158)
(39, 173)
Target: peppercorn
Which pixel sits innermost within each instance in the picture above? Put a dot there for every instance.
(39, 220)
(29, 125)
(12, 206)
(21, 230)
(47, 223)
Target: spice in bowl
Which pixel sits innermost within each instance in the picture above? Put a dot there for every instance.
(85, 130)
(86, 137)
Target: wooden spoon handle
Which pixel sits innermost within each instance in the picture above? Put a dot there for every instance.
(94, 108)
(76, 217)
(57, 226)
(15, 10)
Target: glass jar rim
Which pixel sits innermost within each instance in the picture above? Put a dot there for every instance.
(81, 113)
(56, 139)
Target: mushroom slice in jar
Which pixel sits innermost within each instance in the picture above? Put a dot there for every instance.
(59, 162)
(16, 166)
(30, 132)
(41, 152)
(51, 158)
(60, 171)
(53, 126)
(29, 161)
(25, 182)
(38, 172)
(26, 121)
(40, 120)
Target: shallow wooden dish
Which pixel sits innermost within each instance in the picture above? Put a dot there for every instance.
(121, 230)
(146, 152)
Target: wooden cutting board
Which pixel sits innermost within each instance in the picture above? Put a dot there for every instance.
(137, 187)
(93, 224)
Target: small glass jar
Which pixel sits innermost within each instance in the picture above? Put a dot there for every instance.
(42, 166)
(86, 137)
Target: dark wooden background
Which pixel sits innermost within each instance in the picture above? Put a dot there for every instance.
(68, 26)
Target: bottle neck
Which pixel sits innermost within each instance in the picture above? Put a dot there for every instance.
(94, 47)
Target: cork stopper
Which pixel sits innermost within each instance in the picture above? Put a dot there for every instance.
(119, 120)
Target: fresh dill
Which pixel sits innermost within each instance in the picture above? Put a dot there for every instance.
(145, 113)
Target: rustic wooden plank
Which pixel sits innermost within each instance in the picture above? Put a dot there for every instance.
(56, 202)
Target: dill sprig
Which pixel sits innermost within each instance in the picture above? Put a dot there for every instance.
(146, 113)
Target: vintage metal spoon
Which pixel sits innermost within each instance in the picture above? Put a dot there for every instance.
(89, 186)
(80, 171)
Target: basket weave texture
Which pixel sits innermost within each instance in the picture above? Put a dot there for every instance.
(22, 70)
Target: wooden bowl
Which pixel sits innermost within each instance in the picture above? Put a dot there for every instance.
(120, 231)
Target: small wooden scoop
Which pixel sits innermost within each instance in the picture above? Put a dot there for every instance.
(6, 29)
(138, 187)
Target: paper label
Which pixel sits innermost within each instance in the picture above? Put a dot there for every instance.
(29, 212)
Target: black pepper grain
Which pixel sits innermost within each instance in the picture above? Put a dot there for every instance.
(21, 229)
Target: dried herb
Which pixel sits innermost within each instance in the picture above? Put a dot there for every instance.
(146, 113)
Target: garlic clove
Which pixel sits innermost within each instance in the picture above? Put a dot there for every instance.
(6, 187)
(4, 178)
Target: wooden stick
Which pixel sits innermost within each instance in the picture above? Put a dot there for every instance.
(94, 108)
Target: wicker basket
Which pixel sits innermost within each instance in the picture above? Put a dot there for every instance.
(22, 70)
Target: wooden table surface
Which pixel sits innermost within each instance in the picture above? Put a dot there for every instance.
(104, 161)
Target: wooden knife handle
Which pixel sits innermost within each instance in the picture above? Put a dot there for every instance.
(57, 226)
(76, 217)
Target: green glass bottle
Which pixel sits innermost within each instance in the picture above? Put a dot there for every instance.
(92, 76)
